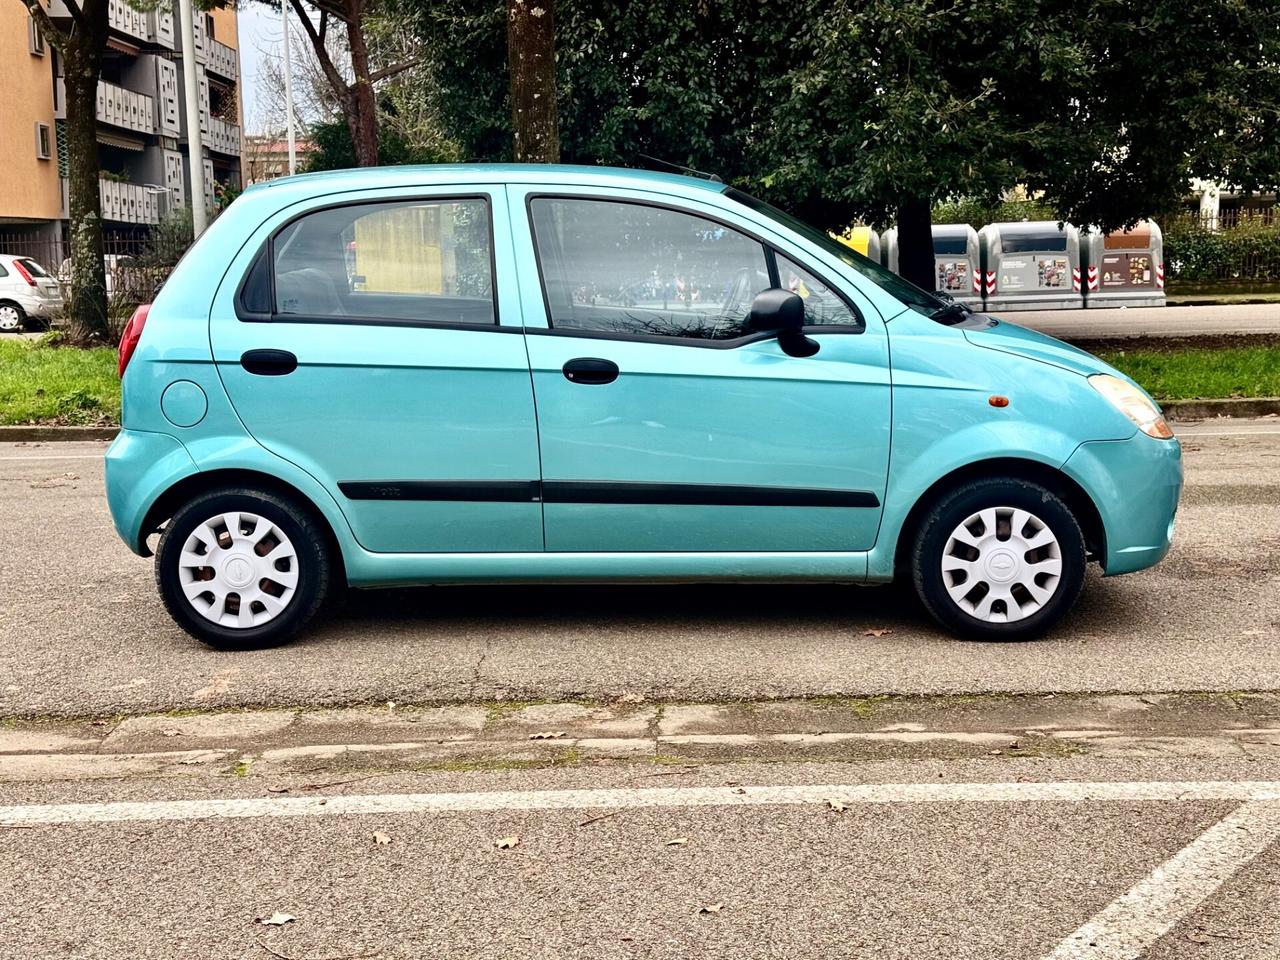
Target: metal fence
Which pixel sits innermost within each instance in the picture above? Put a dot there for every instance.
(132, 272)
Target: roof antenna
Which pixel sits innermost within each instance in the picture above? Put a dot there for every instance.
(689, 171)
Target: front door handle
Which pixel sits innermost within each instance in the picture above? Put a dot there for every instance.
(591, 370)
(269, 363)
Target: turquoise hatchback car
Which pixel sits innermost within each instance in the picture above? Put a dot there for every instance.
(426, 375)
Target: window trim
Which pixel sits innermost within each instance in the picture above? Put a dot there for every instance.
(770, 254)
(267, 250)
(36, 44)
(44, 145)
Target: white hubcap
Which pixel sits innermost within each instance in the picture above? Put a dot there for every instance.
(9, 318)
(1001, 564)
(238, 570)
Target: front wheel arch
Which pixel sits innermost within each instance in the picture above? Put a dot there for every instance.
(1071, 493)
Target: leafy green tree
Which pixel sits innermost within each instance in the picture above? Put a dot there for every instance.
(878, 109)
(80, 37)
(333, 149)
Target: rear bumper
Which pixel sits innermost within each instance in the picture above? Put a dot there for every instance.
(37, 307)
(1135, 485)
(140, 466)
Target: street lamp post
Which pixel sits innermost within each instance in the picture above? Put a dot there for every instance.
(191, 92)
(288, 88)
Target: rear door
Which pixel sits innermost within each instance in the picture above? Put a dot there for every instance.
(376, 343)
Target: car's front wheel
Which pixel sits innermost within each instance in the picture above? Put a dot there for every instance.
(242, 568)
(999, 559)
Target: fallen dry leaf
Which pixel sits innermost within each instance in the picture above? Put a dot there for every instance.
(380, 838)
(277, 919)
(711, 908)
(876, 632)
(506, 843)
(836, 805)
(547, 735)
(677, 841)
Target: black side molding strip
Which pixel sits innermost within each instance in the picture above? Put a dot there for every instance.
(482, 491)
(700, 494)
(604, 492)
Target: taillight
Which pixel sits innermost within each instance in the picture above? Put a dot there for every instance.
(22, 271)
(129, 339)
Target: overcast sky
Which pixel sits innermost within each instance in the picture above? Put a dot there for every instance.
(260, 37)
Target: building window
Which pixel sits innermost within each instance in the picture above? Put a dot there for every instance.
(44, 141)
(35, 39)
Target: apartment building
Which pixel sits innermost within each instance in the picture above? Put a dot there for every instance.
(144, 135)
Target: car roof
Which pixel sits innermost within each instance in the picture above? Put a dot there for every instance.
(410, 175)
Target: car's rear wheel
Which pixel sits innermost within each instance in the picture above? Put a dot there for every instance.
(999, 559)
(12, 317)
(240, 569)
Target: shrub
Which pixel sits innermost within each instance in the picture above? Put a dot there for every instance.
(1247, 253)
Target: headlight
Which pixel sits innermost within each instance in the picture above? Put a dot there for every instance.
(1134, 404)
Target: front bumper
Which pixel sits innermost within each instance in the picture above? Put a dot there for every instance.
(1135, 484)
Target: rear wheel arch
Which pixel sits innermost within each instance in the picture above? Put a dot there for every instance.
(1068, 490)
(197, 484)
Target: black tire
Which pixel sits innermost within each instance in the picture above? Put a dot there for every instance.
(952, 509)
(22, 317)
(313, 568)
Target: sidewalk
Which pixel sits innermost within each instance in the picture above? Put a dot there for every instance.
(1184, 321)
(270, 744)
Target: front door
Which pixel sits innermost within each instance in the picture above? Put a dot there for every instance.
(367, 346)
(664, 425)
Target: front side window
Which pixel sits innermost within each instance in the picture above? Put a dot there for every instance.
(907, 293)
(424, 261)
(822, 305)
(618, 267)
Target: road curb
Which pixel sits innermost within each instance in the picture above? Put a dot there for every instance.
(37, 434)
(1239, 407)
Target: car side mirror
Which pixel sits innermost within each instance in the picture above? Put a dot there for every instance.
(781, 312)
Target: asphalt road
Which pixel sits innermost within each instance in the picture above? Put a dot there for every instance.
(1011, 871)
(1184, 321)
(84, 632)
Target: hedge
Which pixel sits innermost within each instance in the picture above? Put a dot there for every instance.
(1247, 253)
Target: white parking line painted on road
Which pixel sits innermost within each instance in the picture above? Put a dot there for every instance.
(1132, 924)
(1224, 433)
(636, 797)
(58, 456)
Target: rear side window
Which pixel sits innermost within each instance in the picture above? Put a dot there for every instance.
(421, 261)
(631, 268)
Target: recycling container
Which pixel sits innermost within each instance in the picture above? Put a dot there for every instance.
(1125, 268)
(956, 261)
(862, 240)
(1031, 266)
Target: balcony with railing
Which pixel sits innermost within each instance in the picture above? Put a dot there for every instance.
(132, 202)
(127, 109)
(129, 20)
(221, 60)
(223, 137)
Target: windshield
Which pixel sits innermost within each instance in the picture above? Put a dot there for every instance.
(906, 292)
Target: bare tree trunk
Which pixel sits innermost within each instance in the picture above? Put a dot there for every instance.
(531, 55)
(915, 243)
(362, 112)
(82, 59)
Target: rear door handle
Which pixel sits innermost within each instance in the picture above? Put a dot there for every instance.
(269, 363)
(591, 370)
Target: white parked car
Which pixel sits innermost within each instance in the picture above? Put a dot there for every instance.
(29, 296)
